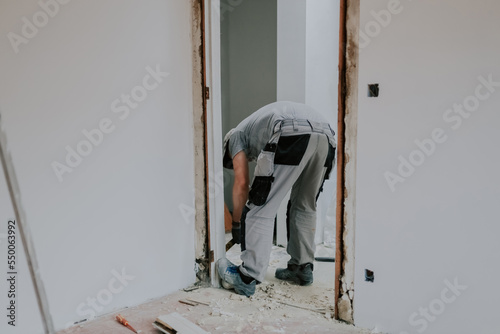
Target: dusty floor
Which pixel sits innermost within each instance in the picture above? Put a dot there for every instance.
(276, 307)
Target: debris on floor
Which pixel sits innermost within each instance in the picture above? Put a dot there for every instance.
(187, 302)
(276, 307)
(192, 302)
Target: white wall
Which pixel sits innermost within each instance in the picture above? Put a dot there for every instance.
(291, 50)
(26, 303)
(441, 223)
(122, 207)
(249, 63)
(322, 57)
(248, 33)
(308, 47)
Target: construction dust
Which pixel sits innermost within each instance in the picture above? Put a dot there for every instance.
(276, 306)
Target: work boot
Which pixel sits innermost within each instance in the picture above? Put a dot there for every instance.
(302, 275)
(231, 278)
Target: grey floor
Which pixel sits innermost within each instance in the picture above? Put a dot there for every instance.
(276, 307)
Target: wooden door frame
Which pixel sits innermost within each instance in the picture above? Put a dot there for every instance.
(346, 159)
(209, 199)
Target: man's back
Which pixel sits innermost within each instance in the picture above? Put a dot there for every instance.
(254, 132)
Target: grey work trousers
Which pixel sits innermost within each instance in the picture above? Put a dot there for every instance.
(305, 180)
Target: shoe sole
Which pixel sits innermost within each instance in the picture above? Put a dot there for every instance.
(225, 284)
(296, 280)
(304, 283)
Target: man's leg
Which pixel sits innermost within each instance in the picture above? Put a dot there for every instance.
(302, 214)
(291, 158)
(259, 224)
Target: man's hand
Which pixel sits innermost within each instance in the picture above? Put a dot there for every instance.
(236, 232)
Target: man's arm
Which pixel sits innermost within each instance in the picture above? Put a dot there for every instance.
(241, 184)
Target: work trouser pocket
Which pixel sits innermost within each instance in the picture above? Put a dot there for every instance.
(261, 187)
(263, 176)
(265, 163)
(291, 149)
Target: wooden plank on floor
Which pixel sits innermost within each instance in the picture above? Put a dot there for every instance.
(174, 323)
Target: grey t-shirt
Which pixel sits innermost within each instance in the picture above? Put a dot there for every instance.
(253, 133)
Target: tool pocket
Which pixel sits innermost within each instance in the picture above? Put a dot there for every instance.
(261, 187)
(263, 176)
(291, 149)
(265, 163)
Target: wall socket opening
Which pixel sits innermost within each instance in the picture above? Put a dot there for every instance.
(373, 90)
(369, 276)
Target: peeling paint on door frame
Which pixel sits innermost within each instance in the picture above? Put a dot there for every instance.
(210, 236)
(200, 141)
(346, 157)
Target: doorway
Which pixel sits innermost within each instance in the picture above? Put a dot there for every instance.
(276, 50)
